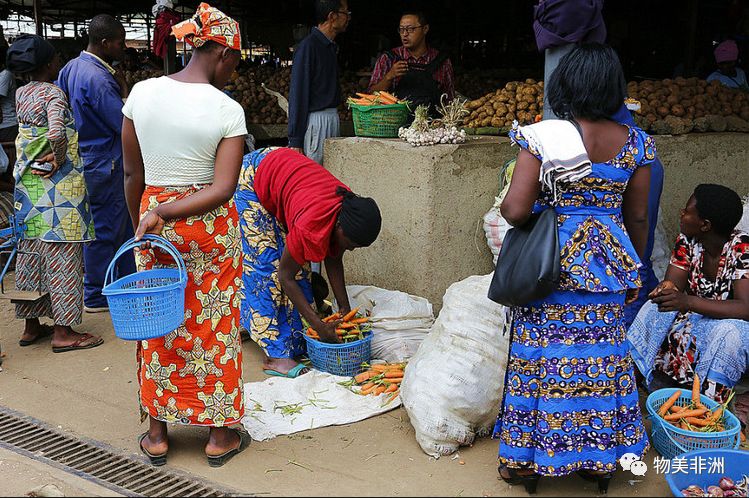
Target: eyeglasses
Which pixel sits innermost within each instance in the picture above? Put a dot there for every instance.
(409, 29)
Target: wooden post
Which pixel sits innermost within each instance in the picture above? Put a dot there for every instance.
(689, 69)
(148, 32)
(38, 17)
(170, 61)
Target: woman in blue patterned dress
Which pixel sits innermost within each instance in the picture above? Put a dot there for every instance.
(570, 402)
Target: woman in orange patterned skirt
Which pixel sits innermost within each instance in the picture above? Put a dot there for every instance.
(183, 140)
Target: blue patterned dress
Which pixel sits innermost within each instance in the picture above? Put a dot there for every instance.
(570, 400)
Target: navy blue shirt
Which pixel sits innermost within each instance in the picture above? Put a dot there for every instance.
(314, 82)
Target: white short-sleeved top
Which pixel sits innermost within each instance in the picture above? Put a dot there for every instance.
(179, 126)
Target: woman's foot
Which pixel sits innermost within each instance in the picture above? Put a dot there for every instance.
(224, 444)
(283, 366)
(526, 477)
(33, 331)
(155, 443)
(67, 339)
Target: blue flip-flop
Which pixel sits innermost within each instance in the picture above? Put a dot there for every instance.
(292, 374)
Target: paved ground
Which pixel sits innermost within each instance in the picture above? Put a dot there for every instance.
(93, 393)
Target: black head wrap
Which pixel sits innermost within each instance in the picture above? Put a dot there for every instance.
(28, 53)
(360, 218)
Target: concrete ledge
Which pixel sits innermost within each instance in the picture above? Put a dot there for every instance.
(433, 200)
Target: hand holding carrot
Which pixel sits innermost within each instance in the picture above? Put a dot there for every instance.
(327, 331)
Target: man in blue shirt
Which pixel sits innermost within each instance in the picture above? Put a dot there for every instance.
(96, 93)
(314, 92)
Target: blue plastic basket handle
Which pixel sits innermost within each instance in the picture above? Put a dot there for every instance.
(156, 241)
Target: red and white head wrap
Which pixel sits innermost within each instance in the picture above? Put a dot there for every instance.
(209, 23)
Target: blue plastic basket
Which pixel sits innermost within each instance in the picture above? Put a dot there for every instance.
(736, 465)
(340, 359)
(146, 304)
(671, 441)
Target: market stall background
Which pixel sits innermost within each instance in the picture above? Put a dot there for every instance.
(491, 44)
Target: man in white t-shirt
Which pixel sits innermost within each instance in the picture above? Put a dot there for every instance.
(8, 120)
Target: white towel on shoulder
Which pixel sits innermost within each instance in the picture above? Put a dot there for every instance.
(563, 155)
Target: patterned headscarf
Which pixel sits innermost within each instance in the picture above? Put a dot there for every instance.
(209, 23)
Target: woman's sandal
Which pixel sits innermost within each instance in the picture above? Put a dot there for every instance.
(155, 460)
(220, 460)
(602, 478)
(530, 481)
(46, 331)
(78, 344)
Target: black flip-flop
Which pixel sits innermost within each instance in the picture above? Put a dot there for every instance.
(77, 344)
(47, 330)
(220, 460)
(156, 460)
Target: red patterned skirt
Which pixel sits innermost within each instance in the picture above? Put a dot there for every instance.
(193, 376)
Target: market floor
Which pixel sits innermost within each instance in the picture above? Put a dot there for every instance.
(93, 394)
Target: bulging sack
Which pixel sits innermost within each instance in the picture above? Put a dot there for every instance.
(453, 385)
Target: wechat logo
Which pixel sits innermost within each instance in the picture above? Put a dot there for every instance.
(632, 463)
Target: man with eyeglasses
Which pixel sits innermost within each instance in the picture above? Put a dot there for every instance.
(315, 92)
(414, 71)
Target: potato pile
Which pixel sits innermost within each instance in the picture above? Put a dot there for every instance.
(521, 101)
(262, 108)
(133, 77)
(683, 105)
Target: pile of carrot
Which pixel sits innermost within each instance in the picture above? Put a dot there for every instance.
(694, 416)
(380, 378)
(353, 326)
(377, 98)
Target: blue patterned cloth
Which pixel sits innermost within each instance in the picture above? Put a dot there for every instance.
(570, 399)
(722, 344)
(265, 310)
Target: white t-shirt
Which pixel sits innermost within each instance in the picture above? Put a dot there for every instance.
(179, 126)
(8, 99)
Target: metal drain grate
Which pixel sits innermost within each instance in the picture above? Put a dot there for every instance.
(98, 462)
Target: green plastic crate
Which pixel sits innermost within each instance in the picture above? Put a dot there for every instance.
(381, 121)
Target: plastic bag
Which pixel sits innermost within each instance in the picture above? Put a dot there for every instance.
(400, 321)
(496, 227)
(662, 247)
(744, 223)
(453, 385)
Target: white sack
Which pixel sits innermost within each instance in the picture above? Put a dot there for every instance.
(453, 385)
(400, 321)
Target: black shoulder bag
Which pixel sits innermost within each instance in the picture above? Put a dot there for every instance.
(528, 266)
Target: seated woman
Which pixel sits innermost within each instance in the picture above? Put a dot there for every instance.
(696, 321)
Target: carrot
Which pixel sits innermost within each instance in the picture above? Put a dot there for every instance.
(717, 414)
(368, 386)
(379, 367)
(359, 321)
(393, 374)
(364, 376)
(669, 403)
(743, 437)
(351, 314)
(366, 96)
(389, 96)
(386, 100)
(683, 425)
(395, 381)
(392, 396)
(686, 413)
(379, 390)
(347, 325)
(677, 409)
(392, 388)
(367, 391)
(696, 390)
(700, 422)
(341, 331)
(332, 317)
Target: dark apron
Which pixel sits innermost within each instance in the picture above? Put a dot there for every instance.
(418, 85)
